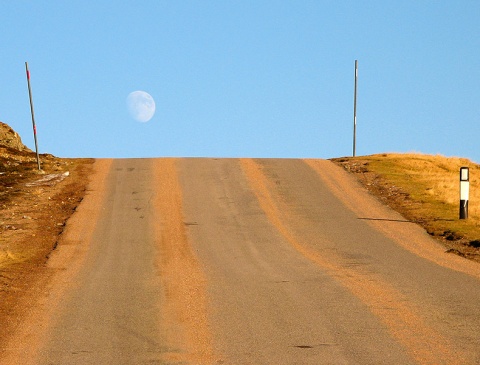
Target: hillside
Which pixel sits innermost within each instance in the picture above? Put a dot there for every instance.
(422, 188)
(35, 206)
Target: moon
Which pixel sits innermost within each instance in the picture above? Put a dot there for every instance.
(141, 106)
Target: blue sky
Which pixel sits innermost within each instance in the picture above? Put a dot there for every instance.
(243, 78)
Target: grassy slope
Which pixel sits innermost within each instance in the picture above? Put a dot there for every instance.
(425, 189)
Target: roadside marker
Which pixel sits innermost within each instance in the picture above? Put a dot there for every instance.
(33, 115)
(464, 192)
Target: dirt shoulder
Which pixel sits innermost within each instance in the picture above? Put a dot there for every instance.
(34, 207)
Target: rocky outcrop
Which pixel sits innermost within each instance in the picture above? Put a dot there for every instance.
(10, 138)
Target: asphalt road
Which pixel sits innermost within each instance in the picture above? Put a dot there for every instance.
(247, 261)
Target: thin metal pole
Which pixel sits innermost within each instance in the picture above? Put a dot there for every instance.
(355, 111)
(33, 115)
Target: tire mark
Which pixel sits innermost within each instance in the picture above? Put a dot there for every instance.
(424, 344)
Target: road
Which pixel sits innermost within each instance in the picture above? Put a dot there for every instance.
(246, 261)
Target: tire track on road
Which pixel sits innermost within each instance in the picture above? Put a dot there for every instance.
(403, 320)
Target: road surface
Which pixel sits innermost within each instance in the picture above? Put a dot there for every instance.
(246, 261)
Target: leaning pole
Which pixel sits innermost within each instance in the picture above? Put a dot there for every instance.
(33, 115)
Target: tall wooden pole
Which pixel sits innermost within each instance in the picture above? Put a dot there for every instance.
(355, 111)
(33, 115)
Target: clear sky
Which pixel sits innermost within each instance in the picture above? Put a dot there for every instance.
(244, 78)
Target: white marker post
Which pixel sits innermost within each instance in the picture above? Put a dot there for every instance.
(33, 115)
(464, 192)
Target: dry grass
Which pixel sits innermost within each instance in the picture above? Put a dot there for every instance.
(425, 189)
